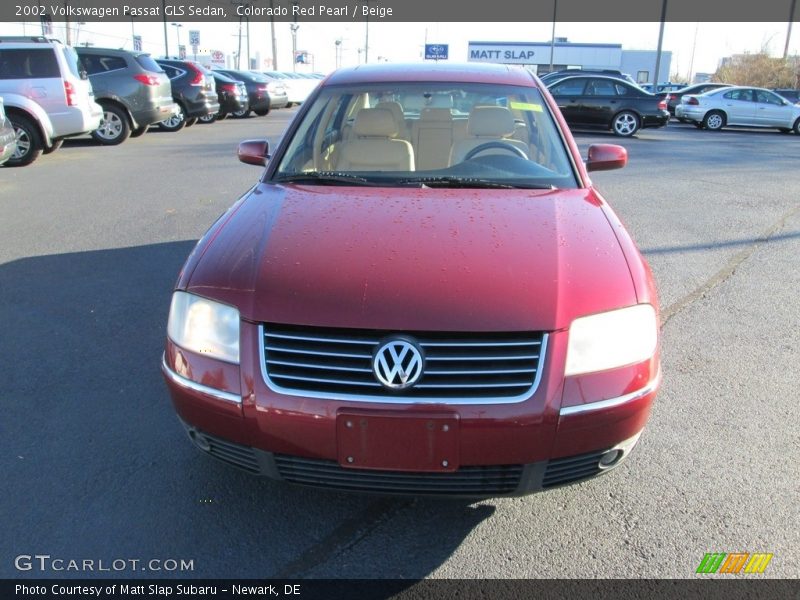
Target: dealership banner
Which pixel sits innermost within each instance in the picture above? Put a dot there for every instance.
(401, 589)
(395, 10)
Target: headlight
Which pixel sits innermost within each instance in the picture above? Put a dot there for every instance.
(204, 326)
(612, 339)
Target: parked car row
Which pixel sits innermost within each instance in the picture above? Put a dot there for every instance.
(52, 92)
(607, 100)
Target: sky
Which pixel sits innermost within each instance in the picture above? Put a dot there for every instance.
(403, 42)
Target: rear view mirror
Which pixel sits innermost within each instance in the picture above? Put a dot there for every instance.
(254, 152)
(604, 157)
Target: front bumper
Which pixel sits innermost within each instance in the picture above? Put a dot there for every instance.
(468, 481)
(555, 436)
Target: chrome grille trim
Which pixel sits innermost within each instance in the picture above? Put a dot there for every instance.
(335, 372)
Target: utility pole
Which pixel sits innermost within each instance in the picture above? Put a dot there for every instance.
(239, 49)
(660, 41)
(274, 42)
(789, 30)
(164, 15)
(249, 64)
(294, 27)
(553, 35)
(66, 23)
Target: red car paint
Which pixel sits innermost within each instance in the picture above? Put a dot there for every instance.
(418, 259)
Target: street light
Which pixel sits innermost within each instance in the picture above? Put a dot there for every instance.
(177, 27)
(338, 53)
(133, 34)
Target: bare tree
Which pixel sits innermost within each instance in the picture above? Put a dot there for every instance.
(760, 70)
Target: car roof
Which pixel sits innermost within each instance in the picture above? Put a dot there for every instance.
(439, 72)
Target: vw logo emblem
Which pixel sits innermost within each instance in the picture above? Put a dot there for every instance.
(397, 364)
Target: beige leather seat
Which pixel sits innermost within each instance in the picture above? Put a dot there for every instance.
(399, 117)
(487, 124)
(374, 147)
(432, 137)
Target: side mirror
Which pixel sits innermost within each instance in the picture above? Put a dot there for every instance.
(604, 157)
(254, 152)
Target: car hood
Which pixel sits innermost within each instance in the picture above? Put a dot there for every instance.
(415, 258)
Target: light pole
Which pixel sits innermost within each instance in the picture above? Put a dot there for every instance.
(177, 27)
(366, 35)
(338, 53)
(133, 34)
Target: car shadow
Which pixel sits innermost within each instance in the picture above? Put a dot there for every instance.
(95, 463)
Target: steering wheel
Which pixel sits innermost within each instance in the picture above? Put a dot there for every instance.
(499, 146)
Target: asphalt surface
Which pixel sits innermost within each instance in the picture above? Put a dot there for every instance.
(94, 464)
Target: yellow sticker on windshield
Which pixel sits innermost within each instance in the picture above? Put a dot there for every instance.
(526, 106)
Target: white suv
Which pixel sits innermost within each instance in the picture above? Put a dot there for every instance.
(47, 94)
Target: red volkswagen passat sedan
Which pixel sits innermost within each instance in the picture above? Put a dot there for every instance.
(422, 294)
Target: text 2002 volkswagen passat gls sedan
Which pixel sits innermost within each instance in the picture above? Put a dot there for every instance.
(423, 294)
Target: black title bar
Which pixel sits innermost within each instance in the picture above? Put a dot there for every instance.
(336, 11)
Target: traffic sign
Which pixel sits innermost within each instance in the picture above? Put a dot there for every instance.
(182, 52)
(436, 51)
(194, 37)
(137, 43)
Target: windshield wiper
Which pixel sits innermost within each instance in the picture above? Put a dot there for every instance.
(472, 182)
(325, 178)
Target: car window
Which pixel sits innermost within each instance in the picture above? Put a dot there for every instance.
(34, 63)
(172, 72)
(74, 62)
(570, 87)
(742, 95)
(768, 98)
(600, 87)
(354, 130)
(148, 64)
(96, 63)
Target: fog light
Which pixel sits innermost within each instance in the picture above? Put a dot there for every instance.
(199, 440)
(610, 458)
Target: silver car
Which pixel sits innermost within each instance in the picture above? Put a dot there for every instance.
(739, 105)
(47, 95)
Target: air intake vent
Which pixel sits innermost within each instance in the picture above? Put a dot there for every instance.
(467, 481)
(573, 468)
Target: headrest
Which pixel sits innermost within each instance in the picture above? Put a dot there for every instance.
(494, 121)
(375, 122)
(441, 101)
(436, 114)
(396, 110)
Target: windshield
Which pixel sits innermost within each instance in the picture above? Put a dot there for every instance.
(435, 134)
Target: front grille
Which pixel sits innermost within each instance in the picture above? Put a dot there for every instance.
(234, 454)
(467, 481)
(464, 367)
(573, 468)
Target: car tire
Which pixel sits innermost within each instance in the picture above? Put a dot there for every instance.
(698, 125)
(288, 105)
(208, 118)
(784, 130)
(174, 123)
(796, 127)
(114, 128)
(263, 112)
(241, 114)
(190, 122)
(54, 145)
(222, 116)
(714, 120)
(682, 120)
(625, 124)
(29, 141)
(139, 131)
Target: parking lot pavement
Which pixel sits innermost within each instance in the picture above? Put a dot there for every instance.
(96, 466)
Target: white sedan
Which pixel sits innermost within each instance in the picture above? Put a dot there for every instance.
(747, 106)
